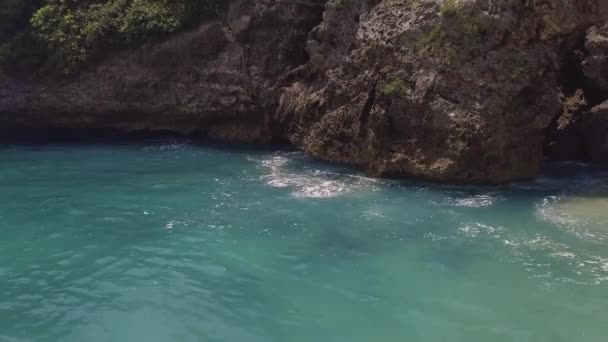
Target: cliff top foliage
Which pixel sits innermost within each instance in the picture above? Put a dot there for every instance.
(65, 35)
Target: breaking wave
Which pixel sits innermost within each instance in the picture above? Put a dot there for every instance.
(311, 183)
(478, 201)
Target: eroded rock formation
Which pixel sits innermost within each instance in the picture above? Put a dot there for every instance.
(458, 91)
(577, 132)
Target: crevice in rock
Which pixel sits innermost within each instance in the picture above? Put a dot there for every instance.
(367, 108)
(565, 137)
(298, 55)
(572, 75)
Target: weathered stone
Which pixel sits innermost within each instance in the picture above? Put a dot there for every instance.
(595, 129)
(595, 65)
(458, 93)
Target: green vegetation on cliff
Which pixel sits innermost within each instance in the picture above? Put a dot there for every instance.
(73, 32)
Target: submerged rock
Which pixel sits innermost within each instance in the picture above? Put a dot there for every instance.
(456, 91)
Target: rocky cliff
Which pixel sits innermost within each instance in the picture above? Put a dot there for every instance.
(214, 80)
(460, 91)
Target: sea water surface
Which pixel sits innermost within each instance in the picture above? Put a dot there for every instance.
(172, 241)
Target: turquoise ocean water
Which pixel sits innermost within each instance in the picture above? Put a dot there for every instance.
(170, 241)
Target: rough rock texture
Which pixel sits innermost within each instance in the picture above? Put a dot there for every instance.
(595, 127)
(458, 91)
(595, 64)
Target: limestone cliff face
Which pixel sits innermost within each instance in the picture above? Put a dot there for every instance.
(458, 91)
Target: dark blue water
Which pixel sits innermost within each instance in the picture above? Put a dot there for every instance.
(168, 241)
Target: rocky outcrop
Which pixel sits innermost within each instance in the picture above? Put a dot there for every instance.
(457, 90)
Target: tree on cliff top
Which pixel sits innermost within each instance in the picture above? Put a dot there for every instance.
(74, 32)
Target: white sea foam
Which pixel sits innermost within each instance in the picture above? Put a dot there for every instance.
(543, 243)
(563, 254)
(476, 229)
(311, 183)
(477, 201)
(171, 145)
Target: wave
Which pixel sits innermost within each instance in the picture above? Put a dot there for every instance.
(311, 183)
(478, 201)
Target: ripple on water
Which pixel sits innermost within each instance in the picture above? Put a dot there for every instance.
(541, 255)
(109, 256)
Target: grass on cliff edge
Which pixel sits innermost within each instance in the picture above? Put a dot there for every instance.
(72, 33)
